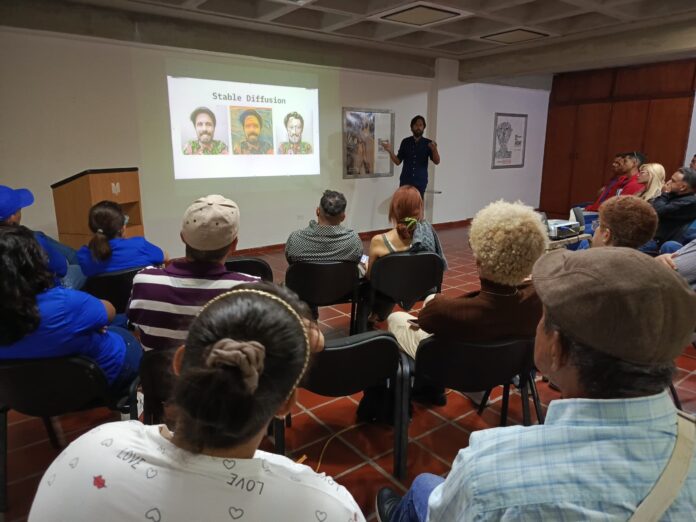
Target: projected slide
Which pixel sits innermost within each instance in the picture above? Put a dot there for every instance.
(234, 130)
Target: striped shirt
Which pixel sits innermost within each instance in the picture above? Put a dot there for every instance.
(592, 460)
(164, 301)
(685, 259)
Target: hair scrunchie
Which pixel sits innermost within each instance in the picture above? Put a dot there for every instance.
(410, 222)
(248, 356)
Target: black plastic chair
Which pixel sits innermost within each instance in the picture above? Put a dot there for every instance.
(250, 265)
(353, 364)
(114, 287)
(50, 387)
(472, 367)
(323, 284)
(404, 278)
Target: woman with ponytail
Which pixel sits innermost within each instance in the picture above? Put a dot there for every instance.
(410, 233)
(108, 250)
(41, 320)
(245, 354)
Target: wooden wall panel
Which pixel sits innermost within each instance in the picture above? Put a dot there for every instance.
(667, 131)
(625, 131)
(591, 131)
(585, 85)
(558, 155)
(655, 80)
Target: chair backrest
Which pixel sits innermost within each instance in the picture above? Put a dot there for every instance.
(250, 265)
(323, 284)
(472, 367)
(50, 387)
(114, 287)
(407, 277)
(352, 364)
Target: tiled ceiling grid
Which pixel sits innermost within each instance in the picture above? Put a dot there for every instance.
(447, 28)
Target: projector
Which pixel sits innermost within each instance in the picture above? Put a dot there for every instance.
(562, 228)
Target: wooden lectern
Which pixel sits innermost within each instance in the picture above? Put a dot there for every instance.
(74, 196)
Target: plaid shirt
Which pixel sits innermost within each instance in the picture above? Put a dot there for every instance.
(592, 460)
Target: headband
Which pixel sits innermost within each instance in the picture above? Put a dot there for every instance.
(290, 309)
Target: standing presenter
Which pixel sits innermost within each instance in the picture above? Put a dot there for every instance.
(414, 151)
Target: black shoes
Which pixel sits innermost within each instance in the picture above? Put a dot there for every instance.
(385, 504)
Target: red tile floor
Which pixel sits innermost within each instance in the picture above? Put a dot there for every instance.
(359, 458)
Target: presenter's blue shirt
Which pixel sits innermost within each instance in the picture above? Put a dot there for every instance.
(71, 323)
(414, 155)
(57, 264)
(126, 253)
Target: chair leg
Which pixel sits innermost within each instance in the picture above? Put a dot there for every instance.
(504, 409)
(675, 397)
(279, 435)
(3, 461)
(288, 420)
(353, 317)
(402, 387)
(526, 417)
(56, 437)
(484, 401)
(537, 402)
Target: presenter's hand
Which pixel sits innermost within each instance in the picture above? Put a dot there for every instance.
(386, 146)
(432, 146)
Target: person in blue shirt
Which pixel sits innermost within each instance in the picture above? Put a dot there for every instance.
(62, 260)
(414, 152)
(42, 320)
(108, 250)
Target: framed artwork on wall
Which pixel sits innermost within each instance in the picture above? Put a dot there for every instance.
(509, 140)
(364, 133)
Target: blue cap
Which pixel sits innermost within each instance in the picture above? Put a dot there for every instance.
(12, 200)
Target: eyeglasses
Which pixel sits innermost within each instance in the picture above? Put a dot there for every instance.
(595, 225)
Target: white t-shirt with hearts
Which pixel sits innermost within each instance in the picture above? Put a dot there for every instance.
(128, 471)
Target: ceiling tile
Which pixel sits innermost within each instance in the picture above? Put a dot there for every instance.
(420, 15)
(514, 36)
(370, 29)
(310, 18)
(420, 38)
(578, 23)
(538, 11)
(240, 8)
(467, 46)
(360, 7)
(473, 26)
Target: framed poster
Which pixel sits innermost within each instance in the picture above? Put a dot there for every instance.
(364, 132)
(509, 140)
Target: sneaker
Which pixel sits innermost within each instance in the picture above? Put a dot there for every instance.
(386, 503)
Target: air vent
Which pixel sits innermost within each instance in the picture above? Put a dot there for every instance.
(514, 36)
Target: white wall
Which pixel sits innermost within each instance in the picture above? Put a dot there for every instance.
(72, 103)
(691, 144)
(465, 139)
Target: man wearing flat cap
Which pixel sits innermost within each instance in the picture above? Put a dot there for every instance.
(614, 447)
(164, 301)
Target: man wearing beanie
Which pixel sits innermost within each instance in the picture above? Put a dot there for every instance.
(614, 447)
(164, 301)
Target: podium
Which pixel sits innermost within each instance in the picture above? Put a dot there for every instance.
(74, 196)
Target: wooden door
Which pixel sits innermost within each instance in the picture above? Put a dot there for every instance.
(591, 131)
(558, 156)
(667, 132)
(626, 131)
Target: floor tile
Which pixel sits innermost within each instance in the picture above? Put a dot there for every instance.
(422, 420)
(687, 363)
(364, 482)
(689, 383)
(337, 415)
(310, 400)
(445, 441)
(30, 460)
(371, 439)
(419, 460)
(20, 495)
(337, 458)
(304, 430)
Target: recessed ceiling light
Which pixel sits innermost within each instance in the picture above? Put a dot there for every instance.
(514, 36)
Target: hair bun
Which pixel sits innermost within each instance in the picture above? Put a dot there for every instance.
(248, 356)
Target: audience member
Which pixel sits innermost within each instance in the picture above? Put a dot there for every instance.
(108, 250)
(41, 320)
(244, 357)
(325, 239)
(62, 260)
(616, 182)
(683, 260)
(632, 161)
(692, 165)
(410, 233)
(625, 221)
(164, 301)
(506, 239)
(652, 175)
(676, 209)
(606, 442)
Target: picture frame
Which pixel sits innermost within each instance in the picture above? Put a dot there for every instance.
(509, 140)
(364, 131)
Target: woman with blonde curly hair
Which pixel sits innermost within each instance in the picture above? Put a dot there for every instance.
(506, 239)
(653, 176)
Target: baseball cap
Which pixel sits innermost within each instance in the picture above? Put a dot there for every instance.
(210, 223)
(12, 200)
(618, 301)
